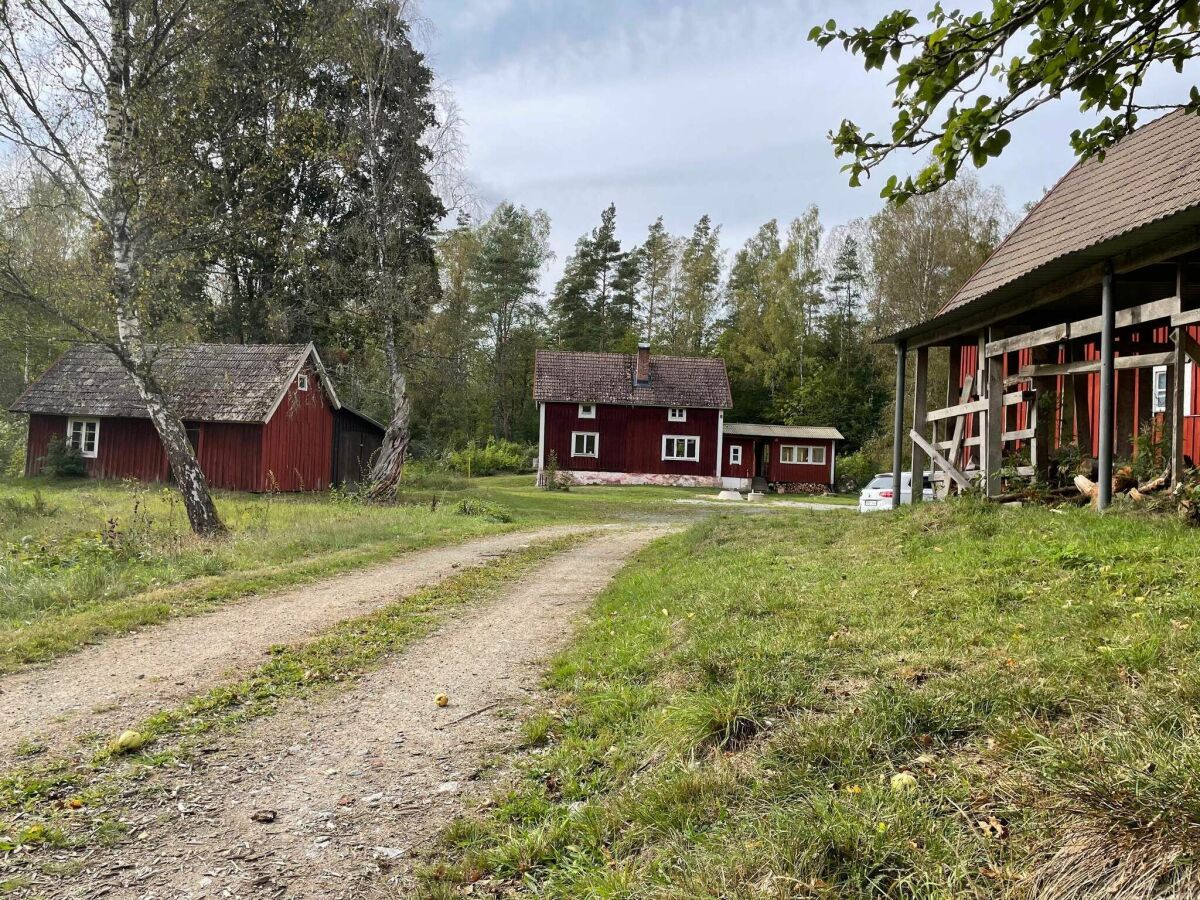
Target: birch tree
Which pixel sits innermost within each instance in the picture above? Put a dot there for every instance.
(396, 114)
(84, 95)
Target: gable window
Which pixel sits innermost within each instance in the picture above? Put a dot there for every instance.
(676, 415)
(735, 454)
(681, 447)
(302, 381)
(1159, 403)
(587, 410)
(84, 436)
(585, 443)
(802, 454)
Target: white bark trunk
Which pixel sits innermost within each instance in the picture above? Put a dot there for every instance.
(197, 500)
(389, 465)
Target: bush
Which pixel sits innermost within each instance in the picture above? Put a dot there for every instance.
(12, 444)
(856, 469)
(62, 460)
(431, 477)
(552, 478)
(496, 456)
(482, 509)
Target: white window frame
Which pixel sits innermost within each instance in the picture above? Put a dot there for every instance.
(1158, 405)
(587, 410)
(676, 414)
(672, 457)
(594, 435)
(735, 454)
(803, 455)
(71, 422)
(302, 381)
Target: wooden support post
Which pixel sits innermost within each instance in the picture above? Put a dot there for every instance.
(1043, 415)
(1125, 422)
(1081, 392)
(920, 407)
(898, 425)
(1144, 391)
(1175, 393)
(1107, 399)
(993, 426)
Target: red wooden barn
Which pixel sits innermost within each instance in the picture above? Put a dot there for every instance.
(260, 417)
(619, 418)
(1082, 328)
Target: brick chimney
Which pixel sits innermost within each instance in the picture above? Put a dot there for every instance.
(642, 372)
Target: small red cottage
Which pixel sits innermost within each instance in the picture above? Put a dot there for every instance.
(260, 417)
(618, 418)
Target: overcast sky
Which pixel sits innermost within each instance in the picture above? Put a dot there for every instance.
(679, 108)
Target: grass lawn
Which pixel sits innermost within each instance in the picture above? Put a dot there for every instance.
(80, 559)
(958, 701)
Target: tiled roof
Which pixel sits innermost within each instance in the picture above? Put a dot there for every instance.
(1146, 177)
(749, 429)
(562, 376)
(203, 382)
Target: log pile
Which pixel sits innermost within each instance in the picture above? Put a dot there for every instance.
(1183, 498)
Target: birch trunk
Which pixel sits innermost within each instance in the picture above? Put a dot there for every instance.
(389, 465)
(197, 500)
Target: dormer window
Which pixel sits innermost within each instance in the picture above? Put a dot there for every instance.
(587, 410)
(302, 381)
(676, 415)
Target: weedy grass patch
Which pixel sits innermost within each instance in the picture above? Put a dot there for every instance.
(959, 700)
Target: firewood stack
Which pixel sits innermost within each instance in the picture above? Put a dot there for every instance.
(1185, 497)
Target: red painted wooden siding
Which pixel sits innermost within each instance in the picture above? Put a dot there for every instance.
(1018, 417)
(230, 454)
(800, 473)
(297, 443)
(126, 448)
(631, 439)
(747, 468)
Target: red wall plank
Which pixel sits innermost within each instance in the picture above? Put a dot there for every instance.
(631, 439)
(297, 443)
(800, 473)
(747, 468)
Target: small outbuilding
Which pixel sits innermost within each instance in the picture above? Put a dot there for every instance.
(261, 417)
(778, 455)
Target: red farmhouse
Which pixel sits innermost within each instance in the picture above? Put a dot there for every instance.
(618, 418)
(260, 417)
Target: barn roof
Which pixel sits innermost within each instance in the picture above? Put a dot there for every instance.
(562, 376)
(203, 382)
(1146, 187)
(812, 432)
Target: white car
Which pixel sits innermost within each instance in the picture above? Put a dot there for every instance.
(878, 493)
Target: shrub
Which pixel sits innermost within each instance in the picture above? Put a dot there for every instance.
(431, 477)
(482, 509)
(497, 455)
(12, 445)
(14, 509)
(63, 460)
(552, 479)
(856, 469)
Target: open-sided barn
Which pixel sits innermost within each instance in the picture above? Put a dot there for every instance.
(260, 417)
(621, 418)
(1080, 328)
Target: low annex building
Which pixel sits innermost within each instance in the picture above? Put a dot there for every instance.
(621, 418)
(261, 417)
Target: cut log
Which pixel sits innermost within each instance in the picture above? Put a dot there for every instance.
(1155, 484)
(1087, 487)
(1123, 480)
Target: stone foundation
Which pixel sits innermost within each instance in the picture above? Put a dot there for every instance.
(638, 478)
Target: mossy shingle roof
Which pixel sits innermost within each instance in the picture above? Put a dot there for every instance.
(568, 376)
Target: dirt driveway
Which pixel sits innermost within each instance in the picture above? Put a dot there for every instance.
(116, 684)
(333, 800)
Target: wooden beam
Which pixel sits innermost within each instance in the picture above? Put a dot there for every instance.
(1190, 347)
(920, 407)
(1043, 415)
(993, 430)
(944, 464)
(1167, 308)
(954, 445)
(1186, 317)
(1082, 392)
(1175, 399)
(1141, 361)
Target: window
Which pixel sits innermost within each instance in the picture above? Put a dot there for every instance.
(802, 454)
(1159, 404)
(84, 435)
(735, 454)
(676, 415)
(683, 448)
(587, 410)
(585, 443)
(302, 381)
